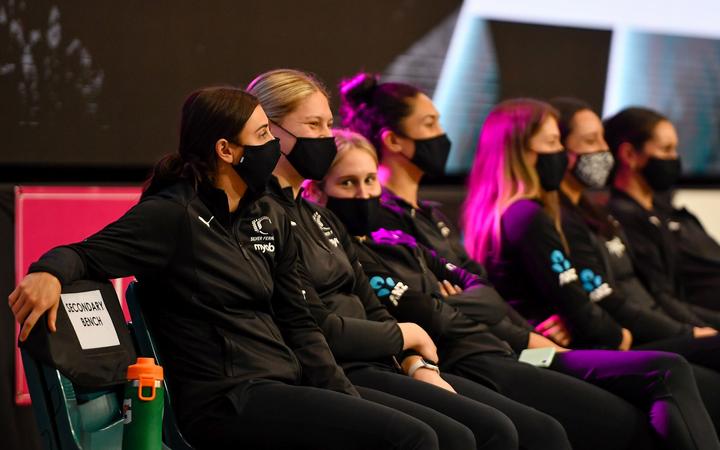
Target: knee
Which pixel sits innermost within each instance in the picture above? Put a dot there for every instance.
(418, 435)
(671, 362)
(549, 433)
(502, 435)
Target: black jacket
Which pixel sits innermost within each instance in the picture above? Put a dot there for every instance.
(607, 272)
(534, 274)
(226, 300)
(357, 326)
(698, 265)
(429, 226)
(405, 275)
(656, 249)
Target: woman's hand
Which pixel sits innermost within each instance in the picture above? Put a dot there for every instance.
(37, 292)
(701, 332)
(555, 329)
(447, 288)
(538, 341)
(626, 340)
(425, 374)
(415, 338)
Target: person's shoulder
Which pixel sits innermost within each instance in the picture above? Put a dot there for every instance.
(180, 193)
(522, 217)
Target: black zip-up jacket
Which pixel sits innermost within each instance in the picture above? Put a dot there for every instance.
(357, 326)
(225, 300)
(607, 273)
(534, 274)
(655, 248)
(429, 226)
(698, 265)
(405, 275)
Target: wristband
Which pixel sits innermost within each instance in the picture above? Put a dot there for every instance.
(422, 364)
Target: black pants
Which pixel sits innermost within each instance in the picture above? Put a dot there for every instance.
(704, 356)
(491, 428)
(274, 415)
(594, 415)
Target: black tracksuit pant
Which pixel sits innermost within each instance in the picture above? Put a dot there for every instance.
(583, 390)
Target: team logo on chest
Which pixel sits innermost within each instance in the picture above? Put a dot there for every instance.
(264, 242)
(326, 230)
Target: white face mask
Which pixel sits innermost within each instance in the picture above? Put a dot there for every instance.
(593, 169)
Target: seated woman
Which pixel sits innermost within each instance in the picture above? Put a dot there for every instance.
(242, 353)
(600, 252)
(599, 248)
(512, 224)
(679, 262)
(406, 277)
(366, 340)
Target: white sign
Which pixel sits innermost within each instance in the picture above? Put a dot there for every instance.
(90, 319)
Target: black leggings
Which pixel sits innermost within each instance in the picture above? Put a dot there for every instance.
(704, 356)
(274, 415)
(594, 415)
(491, 428)
(460, 423)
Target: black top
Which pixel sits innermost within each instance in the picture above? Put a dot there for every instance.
(357, 326)
(428, 225)
(698, 256)
(607, 272)
(405, 275)
(655, 248)
(226, 299)
(535, 275)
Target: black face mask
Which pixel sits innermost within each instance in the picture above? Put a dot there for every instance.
(551, 169)
(431, 155)
(661, 174)
(311, 157)
(257, 163)
(358, 214)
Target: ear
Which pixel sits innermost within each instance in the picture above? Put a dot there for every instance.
(627, 155)
(315, 193)
(572, 160)
(390, 141)
(223, 151)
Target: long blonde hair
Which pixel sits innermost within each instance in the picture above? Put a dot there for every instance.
(501, 174)
(280, 91)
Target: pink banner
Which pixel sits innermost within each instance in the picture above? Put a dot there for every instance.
(46, 217)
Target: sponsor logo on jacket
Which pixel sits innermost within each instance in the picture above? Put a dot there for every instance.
(264, 241)
(326, 230)
(387, 287)
(594, 285)
(561, 266)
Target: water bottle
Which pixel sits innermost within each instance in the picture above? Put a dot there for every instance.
(143, 406)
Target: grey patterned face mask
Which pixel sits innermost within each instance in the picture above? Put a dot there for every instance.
(593, 169)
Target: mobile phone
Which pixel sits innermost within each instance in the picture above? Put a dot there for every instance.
(538, 357)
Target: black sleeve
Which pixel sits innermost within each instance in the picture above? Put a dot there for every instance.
(644, 323)
(445, 270)
(141, 242)
(353, 339)
(406, 304)
(530, 233)
(480, 302)
(649, 264)
(373, 308)
(464, 260)
(298, 327)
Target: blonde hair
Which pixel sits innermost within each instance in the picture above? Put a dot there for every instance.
(280, 91)
(345, 140)
(500, 175)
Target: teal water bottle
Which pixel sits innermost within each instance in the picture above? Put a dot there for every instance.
(143, 406)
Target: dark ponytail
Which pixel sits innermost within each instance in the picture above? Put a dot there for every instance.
(208, 115)
(368, 107)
